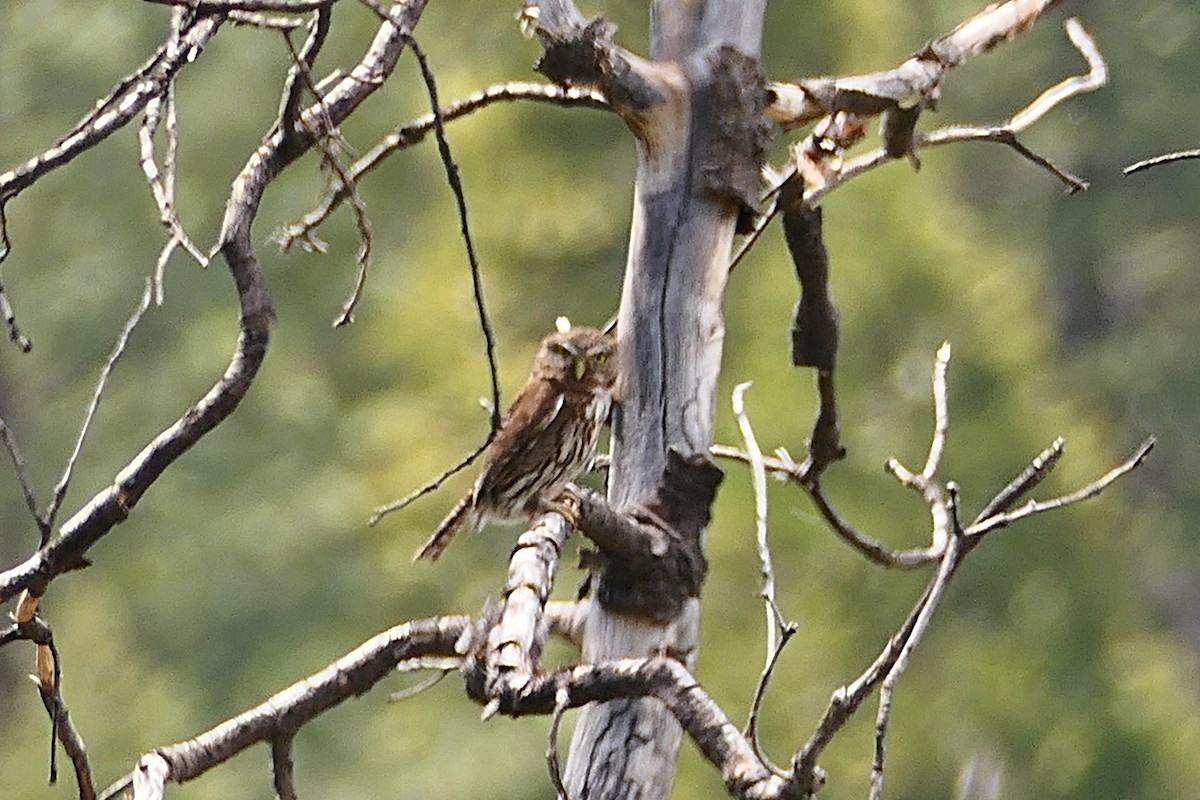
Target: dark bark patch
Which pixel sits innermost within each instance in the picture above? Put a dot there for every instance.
(581, 59)
(650, 559)
(815, 326)
(733, 105)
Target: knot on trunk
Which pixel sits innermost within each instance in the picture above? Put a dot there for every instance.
(650, 560)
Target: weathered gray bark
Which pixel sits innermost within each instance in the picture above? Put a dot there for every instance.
(707, 104)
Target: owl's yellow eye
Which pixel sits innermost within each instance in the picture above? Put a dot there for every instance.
(600, 358)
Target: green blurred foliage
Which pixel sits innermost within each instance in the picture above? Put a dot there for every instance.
(1064, 663)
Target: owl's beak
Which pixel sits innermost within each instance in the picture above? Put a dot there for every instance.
(580, 368)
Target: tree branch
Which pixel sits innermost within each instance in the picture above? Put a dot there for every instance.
(1002, 519)
(669, 682)
(290, 709)
(116, 110)
(921, 76)
(18, 461)
(162, 186)
(1167, 158)
(60, 488)
(514, 644)
(824, 178)
(414, 132)
(282, 146)
(460, 200)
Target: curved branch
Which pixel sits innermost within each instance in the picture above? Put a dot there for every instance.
(120, 107)
(413, 132)
(283, 145)
(668, 681)
(920, 76)
(349, 676)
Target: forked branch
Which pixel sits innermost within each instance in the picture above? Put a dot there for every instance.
(842, 107)
(950, 543)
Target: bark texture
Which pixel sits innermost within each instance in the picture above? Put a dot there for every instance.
(700, 145)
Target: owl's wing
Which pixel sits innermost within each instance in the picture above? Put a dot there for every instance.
(522, 437)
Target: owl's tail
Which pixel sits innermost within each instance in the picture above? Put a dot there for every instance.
(437, 543)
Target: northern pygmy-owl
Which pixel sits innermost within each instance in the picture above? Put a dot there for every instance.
(546, 438)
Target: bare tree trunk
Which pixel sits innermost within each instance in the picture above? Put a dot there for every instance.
(688, 198)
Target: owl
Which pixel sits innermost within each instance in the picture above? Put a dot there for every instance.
(547, 436)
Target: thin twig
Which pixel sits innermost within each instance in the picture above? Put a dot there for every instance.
(875, 551)
(443, 667)
(60, 489)
(932, 599)
(415, 131)
(845, 700)
(378, 9)
(1028, 478)
(1093, 79)
(784, 465)
(779, 631)
(764, 219)
(62, 729)
(162, 189)
(955, 134)
(118, 108)
(923, 482)
(460, 200)
(552, 763)
(1167, 158)
(382, 511)
(758, 472)
(10, 321)
(301, 76)
(760, 692)
(1087, 492)
(6, 309)
(941, 412)
(14, 452)
(931, 491)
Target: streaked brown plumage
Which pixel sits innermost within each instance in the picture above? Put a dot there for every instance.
(547, 437)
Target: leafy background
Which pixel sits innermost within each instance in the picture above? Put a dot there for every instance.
(1064, 663)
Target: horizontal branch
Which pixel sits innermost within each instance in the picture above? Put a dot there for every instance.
(825, 180)
(290, 709)
(919, 77)
(415, 131)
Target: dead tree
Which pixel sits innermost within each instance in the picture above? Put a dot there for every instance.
(702, 114)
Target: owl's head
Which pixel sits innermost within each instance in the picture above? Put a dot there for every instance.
(580, 356)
